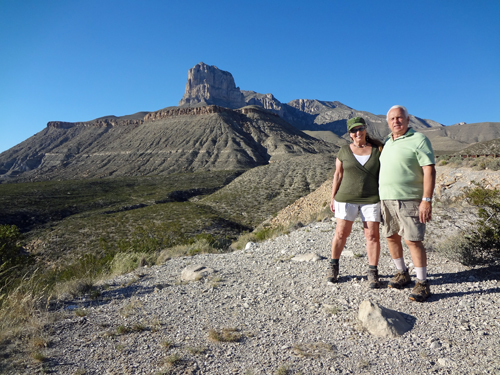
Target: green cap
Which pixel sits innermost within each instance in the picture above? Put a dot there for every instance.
(354, 122)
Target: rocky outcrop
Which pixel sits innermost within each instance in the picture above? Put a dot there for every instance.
(96, 123)
(267, 101)
(176, 111)
(207, 85)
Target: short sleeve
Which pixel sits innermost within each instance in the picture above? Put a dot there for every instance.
(425, 154)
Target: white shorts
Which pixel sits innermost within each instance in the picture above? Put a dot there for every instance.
(349, 211)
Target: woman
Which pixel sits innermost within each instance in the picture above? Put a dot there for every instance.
(355, 190)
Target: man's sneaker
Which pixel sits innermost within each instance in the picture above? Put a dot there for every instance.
(373, 279)
(400, 279)
(421, 291)
(332, 273)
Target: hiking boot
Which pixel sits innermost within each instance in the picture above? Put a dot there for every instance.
(373, 281)
(400, 279)
(421, 291)
(332, 273)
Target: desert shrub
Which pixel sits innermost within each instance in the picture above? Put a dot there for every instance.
(12, 261)
(23, 308)
(481, 243)
(455, 161)
(127, 262)
(225, 335)
(74, 288)
(242, 240)
(204, 243)
(442, 159)
(78, 275)
(477, 164)
(324, 214)
(493, 164)
(260, 234)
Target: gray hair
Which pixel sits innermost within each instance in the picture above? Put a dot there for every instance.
(405, 111)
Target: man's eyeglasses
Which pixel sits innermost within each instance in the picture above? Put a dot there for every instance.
(358, 129)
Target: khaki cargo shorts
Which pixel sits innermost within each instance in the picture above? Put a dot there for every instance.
(401, 217)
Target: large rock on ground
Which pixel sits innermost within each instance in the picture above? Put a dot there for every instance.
(380, 321)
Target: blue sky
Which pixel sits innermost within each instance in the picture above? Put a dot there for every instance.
(68, 60)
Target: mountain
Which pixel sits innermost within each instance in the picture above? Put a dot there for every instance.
(216, 126)
(168, 141)
(491, 147)
(457, 137)
(209, 85)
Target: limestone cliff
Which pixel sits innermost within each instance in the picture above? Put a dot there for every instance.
(207, 85)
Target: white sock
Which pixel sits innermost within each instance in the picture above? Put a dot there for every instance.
(421, 273)
(400, 264)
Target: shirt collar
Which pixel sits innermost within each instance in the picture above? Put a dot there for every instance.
(408, 133)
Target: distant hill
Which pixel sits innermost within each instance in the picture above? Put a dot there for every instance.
(327, 136)
(457, 137)
(482, 148)
(163, 142)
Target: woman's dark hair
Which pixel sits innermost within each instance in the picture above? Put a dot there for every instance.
(374, 141)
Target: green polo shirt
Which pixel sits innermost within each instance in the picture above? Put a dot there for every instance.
(401, 161)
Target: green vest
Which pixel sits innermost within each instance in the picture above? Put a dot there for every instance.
(359, 183)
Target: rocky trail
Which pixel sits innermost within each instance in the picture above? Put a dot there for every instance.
(263, 311)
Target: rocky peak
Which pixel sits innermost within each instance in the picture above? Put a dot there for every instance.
(207, 85)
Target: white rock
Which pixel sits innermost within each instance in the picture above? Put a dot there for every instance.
(249, 245)
(309, 257)
(380, 321)
(195, 272)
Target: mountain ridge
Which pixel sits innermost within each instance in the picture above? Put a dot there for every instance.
(167, 141)
(253, 129)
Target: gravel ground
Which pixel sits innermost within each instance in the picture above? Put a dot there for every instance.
(286, 318)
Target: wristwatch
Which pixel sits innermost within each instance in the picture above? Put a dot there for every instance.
(427, 199)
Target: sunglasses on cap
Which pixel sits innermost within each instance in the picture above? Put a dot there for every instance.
(357, 129)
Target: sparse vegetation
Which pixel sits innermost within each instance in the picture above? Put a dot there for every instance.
(173, 360)
(283, 370)
(198, 350)
(167, 344)
(313, 350)
(76, 232)
(260, 234)
(81, 312)
(12, 260)
(138, 327)
(130, 308)
(38, 356)
(476, 163)
(122, 330)
(331, 310)
(481, 243)
(224, 335)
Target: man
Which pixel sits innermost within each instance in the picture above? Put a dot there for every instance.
(406, 183)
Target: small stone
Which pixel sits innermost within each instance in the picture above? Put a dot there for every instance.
(445, 362)
(309, 257)
(435, 345)
(249, 245)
